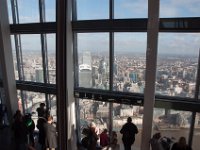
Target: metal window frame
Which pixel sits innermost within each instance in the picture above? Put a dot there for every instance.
(181, 25)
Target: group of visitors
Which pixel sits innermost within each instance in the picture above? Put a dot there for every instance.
(24, 126)
(163, 143)
(128, 132)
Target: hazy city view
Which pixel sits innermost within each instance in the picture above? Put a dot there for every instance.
(177, 62)
(176, 76)
(170, 123)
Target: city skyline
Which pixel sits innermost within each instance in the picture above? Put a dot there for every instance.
(187, 43)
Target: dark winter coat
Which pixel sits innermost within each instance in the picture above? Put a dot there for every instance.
(176, 146)
(128, 131)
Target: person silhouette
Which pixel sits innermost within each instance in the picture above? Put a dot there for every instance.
(128, 132)
(181, 145)
(155, 142)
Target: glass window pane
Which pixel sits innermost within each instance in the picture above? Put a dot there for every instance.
(14, 58)
(120, 114)
(93, 111)
(10, 12)
(92, 9)
(171, 123)
(51, 41)
(32, 100)
(28, 11)
(179, 8)
(32, 59)
(177, 64)
(53, 106)
(196, 135)
(93, 60)
(199, 93)
(2, 94)
(130, 62)
(130, 9)
(50, 10)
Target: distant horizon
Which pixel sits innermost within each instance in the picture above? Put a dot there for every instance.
(52, 52)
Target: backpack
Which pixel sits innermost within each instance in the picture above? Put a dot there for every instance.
(85, 142)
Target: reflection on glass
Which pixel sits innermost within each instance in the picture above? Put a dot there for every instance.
(93, 60)
(50, 10)
(129, 62)
(171, 124)
(186, 8)
(130, 9)
(32, 59)
(92, 9)
(177, 64)
(2, 94)
(94, 111)
(28, 11)
(51, 57)
(120, 114)
(14, 58)
(10, 12)
(53, 106)
(32, 100)
(196, 135)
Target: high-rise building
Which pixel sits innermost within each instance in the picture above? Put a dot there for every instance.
(39, 77)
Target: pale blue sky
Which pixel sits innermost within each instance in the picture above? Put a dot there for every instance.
(99, 9)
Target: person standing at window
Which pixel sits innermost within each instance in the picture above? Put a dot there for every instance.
(50, 134)
(104, 139)
(128, 132)
(181, 145)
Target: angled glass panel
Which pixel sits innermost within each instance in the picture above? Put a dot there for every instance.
(50, 10)
(179, 8)
(172, 124)
(53, 107)
(14, 58)
(28, 11)
(196, 135)
(92, 9)
(93, 60)
(10, 11)
(51, 47)
(32, 58)
(2, 95)
(130, 9)
(129, 62)
(31, 101)
(94, 111)
(199, 91)
(177, 64)
(120, 114)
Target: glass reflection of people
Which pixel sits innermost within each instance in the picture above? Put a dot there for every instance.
(93, 137)
(181, 145)
(128, 132)
(41, 110)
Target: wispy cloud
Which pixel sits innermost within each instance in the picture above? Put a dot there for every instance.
(179, 8)
(179, 43)
(131, 9)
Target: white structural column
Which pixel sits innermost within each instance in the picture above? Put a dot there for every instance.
(151, 59)
(7, 60)
(64, 77)
(70, 80)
